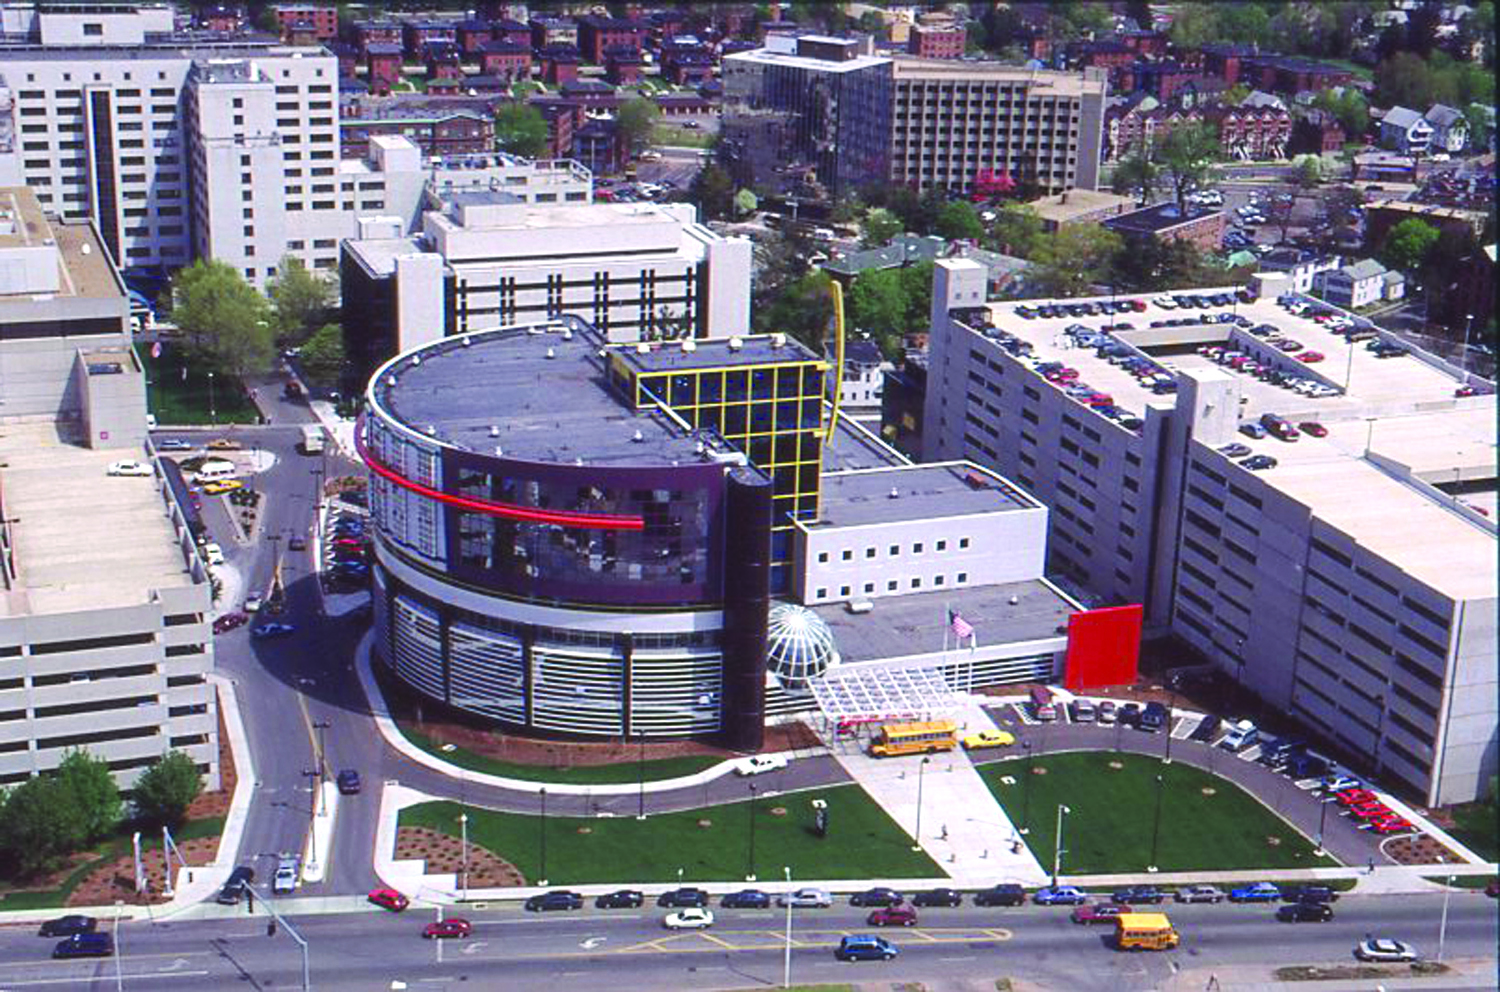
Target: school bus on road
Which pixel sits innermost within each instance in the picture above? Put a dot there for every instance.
(915, 738)
(1145, 931)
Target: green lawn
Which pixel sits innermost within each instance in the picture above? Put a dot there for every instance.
(1110, 827)
(681, 137)
(629, 771)
(862, 842)
(178, 400)
(1462, 881)
(1477, 826)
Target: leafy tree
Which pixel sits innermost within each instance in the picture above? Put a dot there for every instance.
(299, 299)
(713, 191)
(1349, 107)
(1072, 259)
(1148, 265)
(804, 309)
(917, 282)
(1194, 26)
(880, 227)
(1309, 171)
(1086, 18)
(39, 821)
(1479, 126)
(1235, 95)
(95, 795)
(322, 357)
(1187, 155)
(1242, 23)
(1407, 245)
(520, 129)
(224, 317)
(1017, 231)
(1135, 174)
(877, 304)
(958, 219)
(634, 122)
(848, 210)
(871, 22)
(165, 790)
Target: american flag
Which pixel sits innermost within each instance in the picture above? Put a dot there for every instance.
(961, 628)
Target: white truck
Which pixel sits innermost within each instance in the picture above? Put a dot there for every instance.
(312, 440)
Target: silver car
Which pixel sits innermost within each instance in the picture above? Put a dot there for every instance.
(286, 876)
(805, 899)
(1082, 711)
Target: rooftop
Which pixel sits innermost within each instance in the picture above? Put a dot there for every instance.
(1154, 220)
(1058, 82)
(1064, 207)
(82, 539)
(707, 353)
(763, 56)
(906, 492)
(84, 269)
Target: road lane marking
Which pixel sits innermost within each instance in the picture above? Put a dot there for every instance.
(80, 980)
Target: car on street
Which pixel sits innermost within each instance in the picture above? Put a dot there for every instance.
(452, 927)
(67, 926)
(1309, 893)
(1136, 894)
(865, 947)
(1235, 450)
(1310, 357)
(224, 444)
(893, 916)
(1096, 912)
(759, 764)
(285, 879)
(1305, 912)
(1339, 783)
(1059, 895)
(297, 543)
(683, 898)
(1004, 894)
(1259, 892)
(348, 781)
(938, 897)
(388, 899)
(229, 621)
(805, 899)
(221, 486)
(1312, 428)
(557, 899)
(269, 630)
(692, 918)
(1200, 893)
(130, 467)
(876, 897)
(236, 886)
(254, 602)
(620, 899)
(987, 738)
(746, 899)
(174, 444)
(1384, 949)
(85, 945)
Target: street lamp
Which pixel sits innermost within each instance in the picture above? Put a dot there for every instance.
(1171, 705)
(1026, 791)
(213, 415)
(120, 976)
(1057, 848)
(320, 726)
(750, 858)
(1156, 824)
(1443, 926)
(463, 828)
(316, 794)
(543, 873)
(786, 969)
(917, 835)
(1322, 820)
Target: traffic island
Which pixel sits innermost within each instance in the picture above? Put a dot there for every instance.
(1360, 972)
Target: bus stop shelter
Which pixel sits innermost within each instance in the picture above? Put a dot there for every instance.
(851, 699)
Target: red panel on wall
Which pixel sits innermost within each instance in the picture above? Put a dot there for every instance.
(1104, 647)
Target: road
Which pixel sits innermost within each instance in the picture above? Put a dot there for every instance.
(629, 949)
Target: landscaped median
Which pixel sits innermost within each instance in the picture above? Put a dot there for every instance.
(622, 773)
(712, 844)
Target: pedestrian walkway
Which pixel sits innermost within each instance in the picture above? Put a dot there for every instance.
(943, 803)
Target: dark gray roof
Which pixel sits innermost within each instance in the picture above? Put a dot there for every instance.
(927, 492)
(1161, 217)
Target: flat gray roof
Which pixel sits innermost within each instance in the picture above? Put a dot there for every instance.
(853, 447)
(905, 625)
(708, 353)
(83, 539)
(853, 499)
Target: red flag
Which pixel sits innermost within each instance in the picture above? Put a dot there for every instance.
(961, 627)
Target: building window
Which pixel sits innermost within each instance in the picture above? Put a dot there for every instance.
(916, 583)
(916, 549)
(843, 590)
(895, 551)
(942, 545)
(961, 578)
(963, 542)
(822, 557)
(821, 594)
(869, 552)
(869, 587)
(891, 586)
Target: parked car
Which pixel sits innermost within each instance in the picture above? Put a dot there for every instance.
(1384, 949)
(1096, 912)
(746, 899)
(1259, 892)
(988, 738)
(1252, 430)
(224, 444)
(285, 879)
(684, 897)
(348, 782)
(388, 899)
(1309, 893)
(876, 897)
(865, 948)
(452, 927)
(621, 899)
(1235, 450)
(129, 466)
(557, 899)
(759, 764)
(1107, 711)
(269, 630)
(938, 897)
(235, 886)
(1206, 730)
(67, 926)
(1312, 428)
(893, 916)
(1059, 895)
(229, 621)
(1130, 715)
(1148, 894)
(1154, 717)
(174, 444)
(692, 918)
(297, 543)
(1001, 895)
(1200, 893)
(1082, 711)
(1259, 462)
(808, 898)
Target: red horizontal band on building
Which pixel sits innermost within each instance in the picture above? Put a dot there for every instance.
(510, 511)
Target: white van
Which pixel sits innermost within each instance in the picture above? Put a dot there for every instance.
(215, 469)
(213, 554)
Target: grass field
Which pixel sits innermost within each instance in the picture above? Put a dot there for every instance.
(1113, 811)
(176, 399)
(681, 137)
(862, 842)
(1477, 825)
(616, 774)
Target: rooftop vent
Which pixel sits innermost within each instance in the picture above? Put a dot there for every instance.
(735, 344)
(551, 353)
(567, 334)
(777, 340)
(466, 341)
(416, 360)
(494, 430)
(894, 493)
(499, 451)
(86, 248)
(642, 348)
(1014, 600)
(578, 462)
(689, 345)
(637, 437)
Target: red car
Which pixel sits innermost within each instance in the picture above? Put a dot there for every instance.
(1313, 428)
(1090, 912)
(1356, 797)
(389, 899)
(1372, 812)
(229, 621)
(1391, 825)
(899, 915)
(452, 927)
(1310, 357)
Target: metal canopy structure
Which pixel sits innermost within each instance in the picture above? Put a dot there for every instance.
(868, 695)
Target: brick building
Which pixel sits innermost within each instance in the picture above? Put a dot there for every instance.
(1315, 133)
(549, 32)
(473, 35)
(1225, 61)
(367, 33)
(687, 66)
(562, 117)
(417, 35)
(456, 126)
(598, 36)
(506, 59)
(382, 66)
(1140, 124)
(622, 67)
(444, 62)
(1164, 222)
(515, 32)
(942, 40)
(1248, 132)
(322, 21)
(559, 64)
(1280, 74)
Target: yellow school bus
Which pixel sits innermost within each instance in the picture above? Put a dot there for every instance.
(1145, 931)
(915, 738)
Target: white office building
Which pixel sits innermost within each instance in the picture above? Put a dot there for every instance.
(1352, 583)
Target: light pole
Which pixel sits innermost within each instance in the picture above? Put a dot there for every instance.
(1464, 358)
(1171, 705)
(316, 793)
(1156, 824)
(1322, 820)
(320, 726)
(786, 968)
(1026, 791)
(119, 974)
(213, 415)
(1057, 848)
(463, 829)
(917, 835)
(750, 858)
(543, 879)
(1443, 926)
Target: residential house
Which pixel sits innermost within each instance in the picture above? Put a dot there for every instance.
(367, 33)
(505, 59)
(937, 40)
(1450, 130)
(1352, 286)
(322, 21)
(1316, 132)
(472, 37)
(1300, 267)
(623, 67)
(417, 35)
(382, 66)
(1405, 131)
(516, 32)
(1253, 132)
(547, 32)
(863, 380)
(559, 64)
(599, 36)
(1139, 123)
(444, 62)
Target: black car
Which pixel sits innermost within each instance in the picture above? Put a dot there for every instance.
(297, 543)
(348, 780)
(1207, 728)
(1308, 893)
(234, 889)
(1001, 895)
(1259, 462)
(746, 899)
(1130, 715)
(623, 899)
(1305, 912)
(67, 926)
(683, 898)
(875, 897)
(1154, 717)
(557, 899)
(1280, 752)
(938, 897)
(1139, 894)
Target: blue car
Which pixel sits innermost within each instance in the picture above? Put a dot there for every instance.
(1060, 895)
(1259, 892)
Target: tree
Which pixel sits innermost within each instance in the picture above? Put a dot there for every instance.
(165, 790)
(40, 820)
(872, 22)
(1135, 174)
(1234, 95)
(95, 795)
(1194, 26)
(713, 191)
(1349, 106)
(520, 129)
(916, 280)
(1479, 126)
(804, 309)
(322, 357)
(1074, 258)
(634, 122)
(299, 299)
(1187, 154)
(877, 305)
(1407, 244)
(958, 220)
(880, 227)
(1017, 230)
(224, 317)
(1309, 171)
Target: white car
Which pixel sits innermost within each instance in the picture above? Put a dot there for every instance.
(1384, 949)
(254, 602)
(213, 554)
(286, 876)
(805, 899)
(130, 467)
(759, 764)
(689, 919)
(1165, 302)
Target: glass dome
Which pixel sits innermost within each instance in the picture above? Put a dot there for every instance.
(799, 644)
